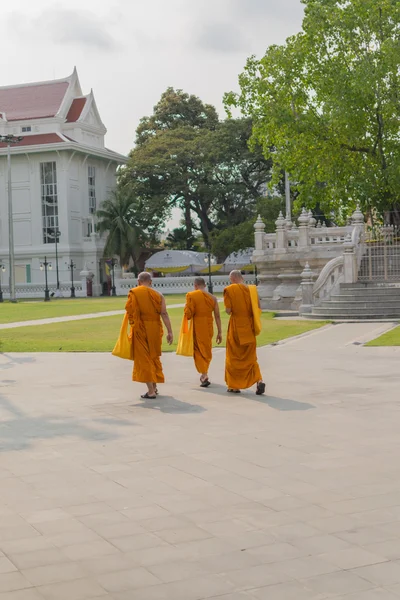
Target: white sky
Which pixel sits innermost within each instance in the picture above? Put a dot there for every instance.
(130, 51)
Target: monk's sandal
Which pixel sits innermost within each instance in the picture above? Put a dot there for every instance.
(260, 388)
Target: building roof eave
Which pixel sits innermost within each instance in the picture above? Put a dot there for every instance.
(68, 145)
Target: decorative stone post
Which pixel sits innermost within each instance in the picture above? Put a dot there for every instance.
(304, 223)
(281, 234)
(288, 223)
(312, 219)
(358, 221)
(307, 290)
(349, 261)
(259, 229)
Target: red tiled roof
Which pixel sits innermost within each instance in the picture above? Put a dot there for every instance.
(34, 101)
(76, 109)
(37, 140)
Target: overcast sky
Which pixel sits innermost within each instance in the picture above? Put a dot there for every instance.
(130, 51)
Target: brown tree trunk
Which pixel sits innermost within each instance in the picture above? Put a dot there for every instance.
(188, 225)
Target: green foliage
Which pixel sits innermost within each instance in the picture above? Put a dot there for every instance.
(241, 236)
(176, 109)
(325, 106)
(121, 217)
(178, 240)
(186, 158)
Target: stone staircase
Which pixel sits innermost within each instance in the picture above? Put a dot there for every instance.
(361, 301)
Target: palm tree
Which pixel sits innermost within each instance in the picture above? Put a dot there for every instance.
(115, 217)
(178, 239)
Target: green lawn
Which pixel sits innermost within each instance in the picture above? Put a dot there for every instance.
(99, 335)
(391, 338)
(65, 307)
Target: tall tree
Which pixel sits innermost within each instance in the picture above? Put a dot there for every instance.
(325, 106)
(175, 110)
(186, 158)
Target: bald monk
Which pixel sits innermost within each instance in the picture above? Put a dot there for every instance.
(200, 308)
(146, 307)
(241, 367)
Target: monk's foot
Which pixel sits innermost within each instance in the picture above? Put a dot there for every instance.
(233, 391)
(260, 388)
(204, 381)
(147, 396)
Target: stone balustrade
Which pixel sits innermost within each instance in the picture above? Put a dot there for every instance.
(286, 258)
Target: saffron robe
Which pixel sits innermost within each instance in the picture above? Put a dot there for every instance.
(200, 308)
(241, 366)
(144, 312)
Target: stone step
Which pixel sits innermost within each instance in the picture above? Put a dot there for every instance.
(366, 303)
(361, 292)
(371, 285)
(362, 311)
(362, 317)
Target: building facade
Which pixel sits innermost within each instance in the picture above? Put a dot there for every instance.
(61, 173)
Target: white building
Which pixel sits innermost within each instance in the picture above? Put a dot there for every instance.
(61, 173)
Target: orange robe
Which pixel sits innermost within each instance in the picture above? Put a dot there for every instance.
(144, 310)
(241, 367)
(200, 308)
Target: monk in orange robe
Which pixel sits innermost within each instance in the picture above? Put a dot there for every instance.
(241, 367)
(146, 307)
(200, 308)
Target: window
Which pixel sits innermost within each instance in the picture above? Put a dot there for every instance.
(92, 189)
(26, 129)
(48, 180)
(28, 274)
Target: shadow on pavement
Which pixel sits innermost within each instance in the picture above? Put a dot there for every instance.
(15, 360)
(170, 405)
(21, 431)
(281, 404)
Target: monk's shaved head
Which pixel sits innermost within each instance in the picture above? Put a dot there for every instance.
(236, 276)
(199, 283)
(144, 278)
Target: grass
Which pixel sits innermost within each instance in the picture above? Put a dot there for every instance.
(99, 335)
(66, 307)
(391, 338)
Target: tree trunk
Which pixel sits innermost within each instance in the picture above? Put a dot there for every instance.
(188, 225)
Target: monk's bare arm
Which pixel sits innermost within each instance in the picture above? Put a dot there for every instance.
(217, 318)
(128, 308)
(188, 310)
(227, 302)
(167, 322)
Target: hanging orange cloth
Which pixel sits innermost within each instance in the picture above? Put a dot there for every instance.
(256, 309)
(198, 312)
(241, 367)
(185, 342)
(123, 347)
(144, 313)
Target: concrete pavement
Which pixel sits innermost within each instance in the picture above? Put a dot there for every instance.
(292, 496)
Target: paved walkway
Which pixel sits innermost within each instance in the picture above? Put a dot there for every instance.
(293, 496)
